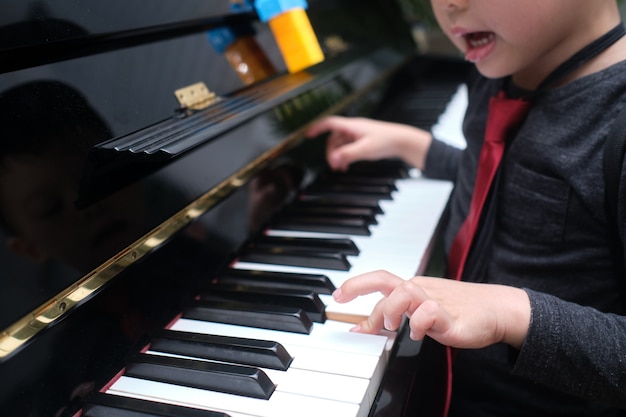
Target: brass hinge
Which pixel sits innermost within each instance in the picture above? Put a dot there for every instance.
(196, 96)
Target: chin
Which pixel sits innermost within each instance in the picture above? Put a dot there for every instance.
(489, 71)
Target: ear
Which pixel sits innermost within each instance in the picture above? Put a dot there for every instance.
(27, 249)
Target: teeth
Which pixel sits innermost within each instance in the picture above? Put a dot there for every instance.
(482, 41)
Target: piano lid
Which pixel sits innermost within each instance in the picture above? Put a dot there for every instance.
(77, 78)
(34, 32)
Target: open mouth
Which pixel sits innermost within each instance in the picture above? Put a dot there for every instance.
(479, 39)
(479, 45)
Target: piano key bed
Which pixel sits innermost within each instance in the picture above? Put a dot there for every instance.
(328, 369)
(266, 338)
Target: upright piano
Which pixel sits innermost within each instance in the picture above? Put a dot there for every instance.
(172, 239)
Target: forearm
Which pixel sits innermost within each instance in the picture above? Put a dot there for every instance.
(411, 145)
(441, 161)
(576, 349)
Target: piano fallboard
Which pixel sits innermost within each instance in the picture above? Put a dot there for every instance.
(150, 224)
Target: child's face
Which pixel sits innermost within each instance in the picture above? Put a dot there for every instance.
(523, 38)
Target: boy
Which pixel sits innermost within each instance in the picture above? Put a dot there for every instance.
(548, 234)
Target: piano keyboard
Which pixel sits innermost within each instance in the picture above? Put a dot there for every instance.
(333, 371)
(395, 244)
(316, 367)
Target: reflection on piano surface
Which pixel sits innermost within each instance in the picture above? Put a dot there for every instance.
(164, 259)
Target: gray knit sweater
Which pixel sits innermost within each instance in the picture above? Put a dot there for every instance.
(550, 236)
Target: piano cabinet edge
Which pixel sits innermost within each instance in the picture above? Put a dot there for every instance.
(415, 382)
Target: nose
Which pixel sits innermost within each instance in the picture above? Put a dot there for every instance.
(451, 5)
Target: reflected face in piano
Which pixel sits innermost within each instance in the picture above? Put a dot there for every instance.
(526, 39)
(40, 169)
(38, 195)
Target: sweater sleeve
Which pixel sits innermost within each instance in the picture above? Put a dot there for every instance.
(442, 161)
(576, 349)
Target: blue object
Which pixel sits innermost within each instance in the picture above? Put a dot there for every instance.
(222, 37)
(242, 6)
(267, 9)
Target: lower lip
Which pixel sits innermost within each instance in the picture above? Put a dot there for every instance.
(478, 54)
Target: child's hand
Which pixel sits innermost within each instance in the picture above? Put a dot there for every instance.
(357, 139)
(457, 314)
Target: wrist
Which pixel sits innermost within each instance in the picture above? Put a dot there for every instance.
(412, 146)
(517, 317)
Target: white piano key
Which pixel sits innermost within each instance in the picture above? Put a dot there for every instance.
(322, 336)
(280, 404)
(334, 372)
(330, 349)
(369, 260)
(397, 244)
(342, 366)
(409, 219)
(313, 383)
(449, 124)
(346, 327)
(329, 354)
(360, 307)
(322, 385)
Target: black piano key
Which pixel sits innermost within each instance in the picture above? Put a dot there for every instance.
(296, 257)
(105, 405)
(228, 378)
(366, 214)
(345, 179)
(286, 319)
(338, 201)
(340, 245)
(307, 301)
(319, 284)
(321, 224)
(389, 168)
(252, 352)
(380, 192)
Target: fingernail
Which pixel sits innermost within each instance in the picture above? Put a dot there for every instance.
(337, 294)
(356, 329)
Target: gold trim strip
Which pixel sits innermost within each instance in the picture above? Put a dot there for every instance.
(15, 336)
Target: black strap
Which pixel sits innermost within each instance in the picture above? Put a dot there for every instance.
(584, 55)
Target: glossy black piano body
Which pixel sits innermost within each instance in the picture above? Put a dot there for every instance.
(78, 293)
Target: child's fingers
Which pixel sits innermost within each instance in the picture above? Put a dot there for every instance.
(368, 283)
(327, 124)
(390, 311)
(429, 319)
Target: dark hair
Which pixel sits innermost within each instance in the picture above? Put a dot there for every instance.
(44, 116)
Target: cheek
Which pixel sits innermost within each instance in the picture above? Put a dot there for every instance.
(523, 26)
